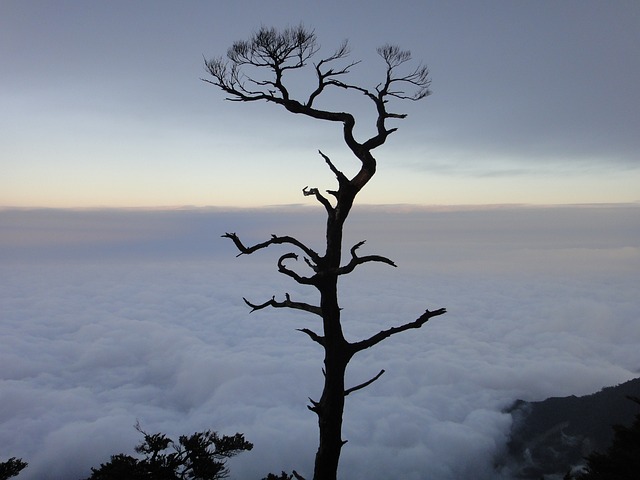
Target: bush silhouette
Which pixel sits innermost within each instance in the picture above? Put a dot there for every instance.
(201, 456)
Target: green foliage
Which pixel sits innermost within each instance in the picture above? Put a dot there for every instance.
(11, 468)
(200, 456)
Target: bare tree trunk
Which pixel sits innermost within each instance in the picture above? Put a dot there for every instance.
(330, 408)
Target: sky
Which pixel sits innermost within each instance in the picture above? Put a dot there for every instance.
(113, 316)
(102, 104)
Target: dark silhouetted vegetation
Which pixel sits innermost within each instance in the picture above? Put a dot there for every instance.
(621, 461)
(282, 476)
(201, 456)
(11, 468)
(549, 435)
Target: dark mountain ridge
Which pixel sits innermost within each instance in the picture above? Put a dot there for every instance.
(551, 436)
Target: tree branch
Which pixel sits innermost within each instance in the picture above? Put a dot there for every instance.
(313, 335)
(290, 273)
(307, 192)
(378, 337)
(342, 179)
(355, 260)
(315, 406)
(325, 78)
(363, 385)
(273, 241)
(417, 78)
(268, 48)
(287, 303)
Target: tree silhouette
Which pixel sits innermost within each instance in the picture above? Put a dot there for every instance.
(11, 468)
(200, 456)
(253, 71)
(282, 476)
(621, 460)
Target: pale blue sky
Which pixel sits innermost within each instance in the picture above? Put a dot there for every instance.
(101, 104)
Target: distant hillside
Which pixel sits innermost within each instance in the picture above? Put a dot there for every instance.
(550, 436)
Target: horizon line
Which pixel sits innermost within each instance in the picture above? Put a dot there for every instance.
(368, 206)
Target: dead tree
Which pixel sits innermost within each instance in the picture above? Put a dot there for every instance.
(255, 71)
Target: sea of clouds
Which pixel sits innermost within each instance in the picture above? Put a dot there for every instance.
(108, 317)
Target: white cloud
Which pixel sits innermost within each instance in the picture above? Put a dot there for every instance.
(149, 325)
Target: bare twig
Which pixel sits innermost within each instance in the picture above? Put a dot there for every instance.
(364, 384)
(313, 335)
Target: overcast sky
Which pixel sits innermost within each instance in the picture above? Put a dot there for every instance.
(101, 103)
(113, 316)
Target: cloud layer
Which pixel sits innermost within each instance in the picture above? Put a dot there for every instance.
(109, 317)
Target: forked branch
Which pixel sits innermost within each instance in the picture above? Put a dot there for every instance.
(355, 260)
(307, 192)
(290, 273)
(418, 79)
(343, 182)
(327, 77)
